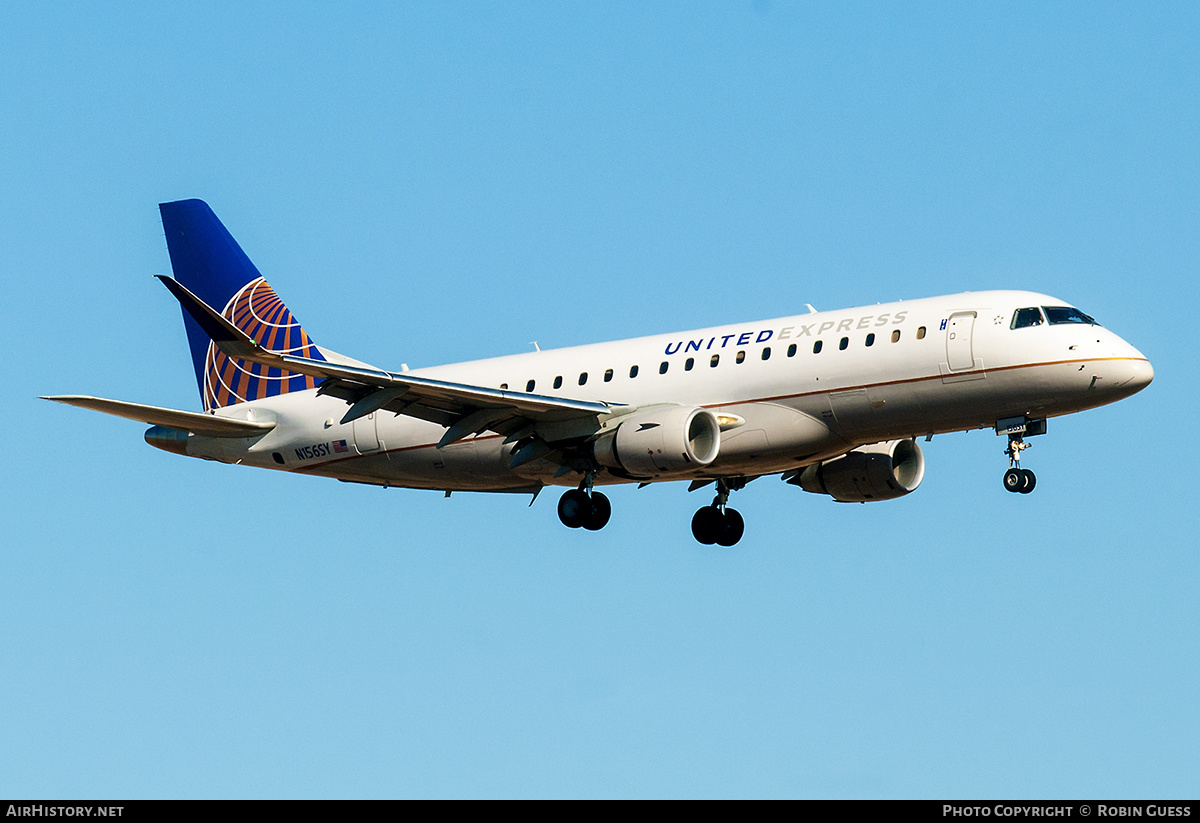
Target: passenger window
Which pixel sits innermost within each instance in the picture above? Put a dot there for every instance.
(608, 375)
(870, 340)
(633, 371)
(529, 386)
(896, 336)
(1023, 318)
(817, 347)
(845, 341)
(741, 356)
(662, 367)
(766, 353)
(558, 382)
(687, 364)
(792, 350)
(582, 378)
(716, 358)
(920, 332)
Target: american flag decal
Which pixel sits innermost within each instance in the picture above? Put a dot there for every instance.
(339, 447)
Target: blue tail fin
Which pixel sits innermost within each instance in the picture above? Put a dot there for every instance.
(206, 259)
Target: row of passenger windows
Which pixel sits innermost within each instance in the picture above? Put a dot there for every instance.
(740, 357)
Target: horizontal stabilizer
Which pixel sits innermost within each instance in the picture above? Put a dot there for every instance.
(195, 422)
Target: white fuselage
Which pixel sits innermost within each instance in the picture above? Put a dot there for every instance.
(882, 372)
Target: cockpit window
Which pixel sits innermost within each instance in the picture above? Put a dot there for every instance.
(1063, 314)
(1026, 317)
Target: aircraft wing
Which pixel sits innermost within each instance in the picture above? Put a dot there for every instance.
(206, 424)
(464, 409)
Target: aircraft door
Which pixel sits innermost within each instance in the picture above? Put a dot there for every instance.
(366, 438)
(959, 355)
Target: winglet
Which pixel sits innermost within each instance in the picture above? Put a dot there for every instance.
(228, 337)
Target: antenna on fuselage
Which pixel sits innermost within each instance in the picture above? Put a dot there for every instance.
(536, 347)
(811, 310)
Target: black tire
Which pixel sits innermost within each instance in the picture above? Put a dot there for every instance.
(1030, 480)
(600, 512)
(734, 527)
(574, 508)
(1014, 480)
(707, 524)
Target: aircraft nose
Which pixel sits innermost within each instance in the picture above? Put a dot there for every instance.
(1140, 375)
(1135, 371)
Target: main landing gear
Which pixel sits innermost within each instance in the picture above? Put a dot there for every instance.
(1017, 479)
(718, 523)
(584, 508)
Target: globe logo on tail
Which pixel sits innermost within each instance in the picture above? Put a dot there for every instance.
(257, 310)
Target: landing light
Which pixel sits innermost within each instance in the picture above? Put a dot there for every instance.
(730, 421)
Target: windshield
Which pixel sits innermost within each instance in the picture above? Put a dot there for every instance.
(1063, 314)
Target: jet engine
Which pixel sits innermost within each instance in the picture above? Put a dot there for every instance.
(882, 471)
(660, 440)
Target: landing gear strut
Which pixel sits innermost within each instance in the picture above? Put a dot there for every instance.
(1017, 479)
(718, 523)
(584, 508)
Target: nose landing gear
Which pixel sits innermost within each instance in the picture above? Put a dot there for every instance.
(1017, 479)
(718, 523)
(584, 508)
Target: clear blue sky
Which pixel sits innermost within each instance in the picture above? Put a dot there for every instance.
(431, 182)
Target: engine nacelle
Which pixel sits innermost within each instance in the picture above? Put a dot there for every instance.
(882, 471)
(660, 440)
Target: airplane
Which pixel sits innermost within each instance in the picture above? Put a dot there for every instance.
(832, 401)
